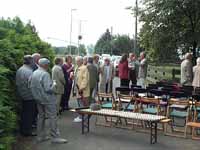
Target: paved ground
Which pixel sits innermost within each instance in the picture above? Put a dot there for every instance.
(103, 138)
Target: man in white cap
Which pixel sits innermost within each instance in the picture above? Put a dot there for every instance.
(186, 70)
(42, 88)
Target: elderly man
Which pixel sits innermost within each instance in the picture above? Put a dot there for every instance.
(36, 57)
(42, 88)
(58, 77)
(186, 70)
(82, 84)
(93, 73)
(28, 104)
(142, 73)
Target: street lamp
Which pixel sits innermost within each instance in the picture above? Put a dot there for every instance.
(80, 34)
(70, 38)
(136, 23)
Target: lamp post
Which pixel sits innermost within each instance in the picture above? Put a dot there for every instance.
(136, 15)
(70, 38)
(80, 34)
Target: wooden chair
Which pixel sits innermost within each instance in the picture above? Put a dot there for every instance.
(111, 104)
(152, 105)
(126, 102)
(195, 124)
(178, 109)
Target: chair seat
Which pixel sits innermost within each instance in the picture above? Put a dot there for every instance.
(130, 107)
(180, 114)
(150, 110)
(107, 105)
(194, 124)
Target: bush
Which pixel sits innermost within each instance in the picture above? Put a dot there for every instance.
(16, 40)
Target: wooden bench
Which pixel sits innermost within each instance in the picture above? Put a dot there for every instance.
(153, 120)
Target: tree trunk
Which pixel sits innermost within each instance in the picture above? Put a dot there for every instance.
(194, 52)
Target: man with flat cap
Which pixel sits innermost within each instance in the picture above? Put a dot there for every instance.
(28, 104)
(42, 88)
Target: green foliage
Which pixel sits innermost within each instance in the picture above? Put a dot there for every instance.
(104, 44)
(122, 44)
(170, 27)
(114, 44)
(16, 40)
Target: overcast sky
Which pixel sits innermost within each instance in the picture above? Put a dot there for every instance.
(52, 17)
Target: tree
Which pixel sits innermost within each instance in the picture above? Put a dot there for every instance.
(170, 26)
(82, 49)
(104, 44)
(16, 40)
(122, 44)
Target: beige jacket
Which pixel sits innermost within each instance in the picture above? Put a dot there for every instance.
(58, 76)
(82, 80)
(196, 80)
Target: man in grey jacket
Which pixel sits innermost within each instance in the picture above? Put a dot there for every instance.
(28, 103)
(42, 88)
(58, 77)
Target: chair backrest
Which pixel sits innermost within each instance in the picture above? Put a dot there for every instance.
(138, 86)
(177, 104)
(154, 101)
(174, 94)
(105, 96)
(174, 101)
(123, 90)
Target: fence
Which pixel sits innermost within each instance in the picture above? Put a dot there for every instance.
(158, 73)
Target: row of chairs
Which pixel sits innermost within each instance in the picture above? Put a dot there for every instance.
(127, 99)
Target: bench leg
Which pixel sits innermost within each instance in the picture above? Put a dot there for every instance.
(153, 133)
(85, 123)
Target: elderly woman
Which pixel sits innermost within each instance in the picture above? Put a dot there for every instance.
(68, 70)
(82, 85)
(196, 72)
(106, 77)
(123, 71)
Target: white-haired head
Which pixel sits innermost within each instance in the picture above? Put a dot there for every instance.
(188, 56)
(79, 60)
(36, 57)
(198, 61)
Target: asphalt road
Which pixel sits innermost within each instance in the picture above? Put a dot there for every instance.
(104, 138)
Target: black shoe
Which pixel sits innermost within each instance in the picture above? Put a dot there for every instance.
(30, 134)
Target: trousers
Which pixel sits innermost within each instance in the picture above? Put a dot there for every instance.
(47, 111)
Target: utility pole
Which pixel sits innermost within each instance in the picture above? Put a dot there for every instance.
(136, 15)
(111, 41)
(70, 34)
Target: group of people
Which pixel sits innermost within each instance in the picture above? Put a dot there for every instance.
(190, 75)
(39, 94)
(44, 95)
(133, 69)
